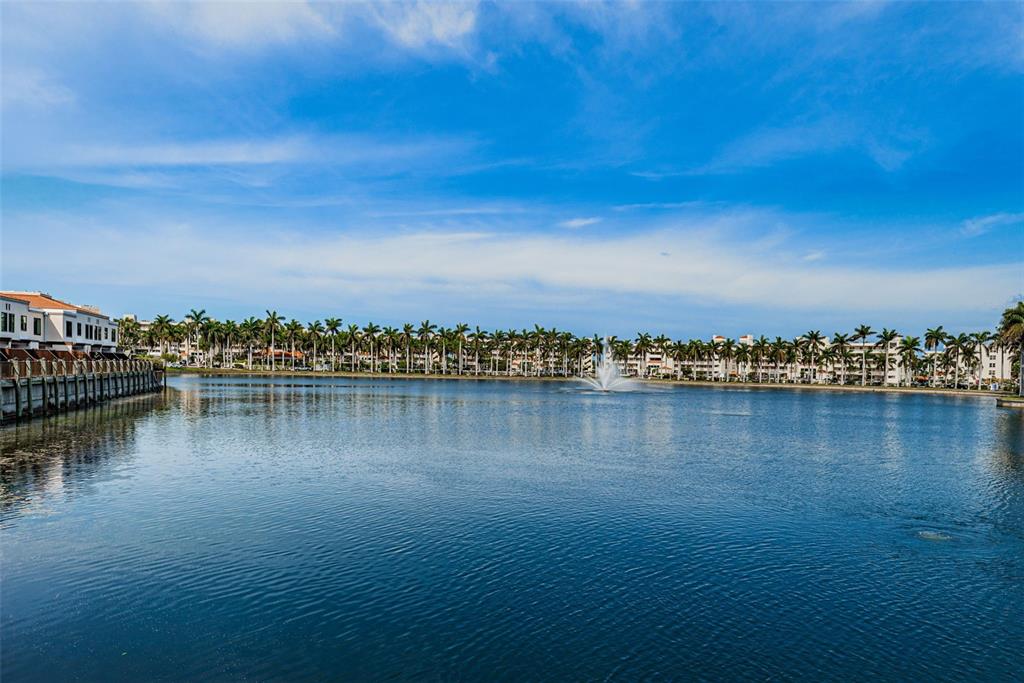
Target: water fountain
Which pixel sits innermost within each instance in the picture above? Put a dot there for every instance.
(606, 375)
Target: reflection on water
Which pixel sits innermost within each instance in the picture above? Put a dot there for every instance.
(364, 529)
(53, 455)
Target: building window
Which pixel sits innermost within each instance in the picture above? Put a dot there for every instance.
(24, 323)
(113, 336)
(37, 326)
(79, 329)
(106, 333)
(68, 328)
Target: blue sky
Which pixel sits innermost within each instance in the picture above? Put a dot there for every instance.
(680, 168)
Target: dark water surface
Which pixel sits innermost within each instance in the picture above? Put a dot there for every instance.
(311, 529)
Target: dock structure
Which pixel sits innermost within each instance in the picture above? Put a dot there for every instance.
(38, 387)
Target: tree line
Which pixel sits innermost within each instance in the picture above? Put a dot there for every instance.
(271, 342)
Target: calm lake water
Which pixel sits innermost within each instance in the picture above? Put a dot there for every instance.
(246, 528)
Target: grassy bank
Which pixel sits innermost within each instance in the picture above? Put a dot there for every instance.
(231, 372)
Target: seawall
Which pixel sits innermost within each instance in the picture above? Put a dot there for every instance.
(32, 389)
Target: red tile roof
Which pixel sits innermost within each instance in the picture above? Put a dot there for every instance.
(41, 300)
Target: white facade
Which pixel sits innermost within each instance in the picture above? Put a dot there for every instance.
(18, 323)
(39, 321)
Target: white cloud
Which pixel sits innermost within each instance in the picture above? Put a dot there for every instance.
(204, 153)
(510, 270)
(244, 24)
(659, 206)
(979, 226)
(414, 26)
(496, 210)
(421, 24)
(773, 144)
(769, 145)
(372, 154)
(577, 223)
(31, 88)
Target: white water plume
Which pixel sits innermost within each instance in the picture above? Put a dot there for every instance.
(607, 376)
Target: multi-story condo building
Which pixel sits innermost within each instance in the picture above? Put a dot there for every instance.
(989, 363)
(36, 320)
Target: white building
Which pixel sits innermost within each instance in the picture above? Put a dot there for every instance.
(36, 320)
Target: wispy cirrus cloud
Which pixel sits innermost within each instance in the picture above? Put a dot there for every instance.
(243, 24)
(200, 153)
(577, 223)
(973, 227)
(33, 89)
(417, 25)
(770, 145)
(369, 155)
(413, 26)
(658, 206)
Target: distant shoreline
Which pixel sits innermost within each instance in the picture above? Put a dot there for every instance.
(231, 372)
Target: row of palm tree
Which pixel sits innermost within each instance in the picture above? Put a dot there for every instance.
(272, 342)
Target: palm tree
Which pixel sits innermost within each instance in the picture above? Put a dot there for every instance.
(885, 339)
(762, 350)
(709, 351)
(1011, 334)
(292, 332)
(370, 332)
(742, 356)
(779, 353)
(149, 339)
(946, 363)
(314, 333)
(643, 346)
(162, 331)
(477, 338)
(813, 341)
(230, 331)
(193, 321)
(444, 336)
(933, 338)
(623, 349)
(250, 329)
(841, 345)
(727, 349)
(408, 334)
(391, 337)
(980, 339)
(271, 325)
(998, 347)
(210, 340)
(425, 334)
(460, 337)
(844, 356)
(862, 332)
(129, 332)
(353, 340)
(677, 350)
(955, 346)
(909, 347)
(332, 326)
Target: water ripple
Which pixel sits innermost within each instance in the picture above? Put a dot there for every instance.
(306, 530)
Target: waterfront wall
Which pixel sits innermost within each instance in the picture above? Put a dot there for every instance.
(39, 387)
